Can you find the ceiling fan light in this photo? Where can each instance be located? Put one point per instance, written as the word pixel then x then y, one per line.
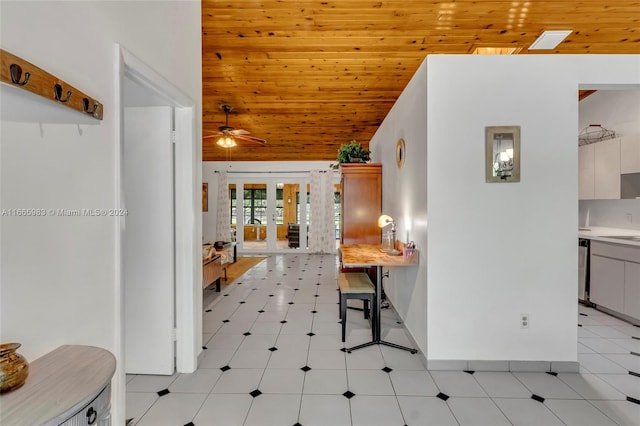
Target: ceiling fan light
pixel 226 141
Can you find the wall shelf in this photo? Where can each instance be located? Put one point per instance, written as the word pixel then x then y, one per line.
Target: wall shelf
pixel 24 76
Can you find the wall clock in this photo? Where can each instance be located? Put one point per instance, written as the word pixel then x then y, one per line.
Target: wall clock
pixel 400 153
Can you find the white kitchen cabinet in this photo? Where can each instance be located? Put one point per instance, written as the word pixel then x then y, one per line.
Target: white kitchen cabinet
pixel 607 170
pixel 615 277
pixel 586 172
pixel 630 154
pixel 607 282
pixel 632 289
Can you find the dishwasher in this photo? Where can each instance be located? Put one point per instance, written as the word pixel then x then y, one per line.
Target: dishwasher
pixel 583 270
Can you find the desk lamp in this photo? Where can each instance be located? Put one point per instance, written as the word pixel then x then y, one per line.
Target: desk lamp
pixel 383 221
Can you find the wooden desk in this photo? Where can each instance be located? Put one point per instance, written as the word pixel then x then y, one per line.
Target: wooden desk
pixel 371 255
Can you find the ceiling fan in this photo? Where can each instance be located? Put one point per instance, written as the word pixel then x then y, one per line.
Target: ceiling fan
pixel 228 136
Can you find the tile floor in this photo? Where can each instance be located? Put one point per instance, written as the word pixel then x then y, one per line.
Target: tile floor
pixel 273 358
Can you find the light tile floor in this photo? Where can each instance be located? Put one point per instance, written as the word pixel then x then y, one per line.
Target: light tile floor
pixel 273 358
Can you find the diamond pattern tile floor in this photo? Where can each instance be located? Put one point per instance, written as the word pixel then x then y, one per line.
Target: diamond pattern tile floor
pixel 274 356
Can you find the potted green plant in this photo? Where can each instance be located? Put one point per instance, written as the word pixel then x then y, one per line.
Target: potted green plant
pixel 351 152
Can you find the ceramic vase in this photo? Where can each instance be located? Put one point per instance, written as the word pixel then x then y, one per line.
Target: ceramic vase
pixel 14 368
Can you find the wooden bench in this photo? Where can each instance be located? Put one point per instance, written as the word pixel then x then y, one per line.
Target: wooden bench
pixel 211 271
pixel 355 285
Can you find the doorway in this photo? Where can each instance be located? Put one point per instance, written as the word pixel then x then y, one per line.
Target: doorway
pixel 167 317
pixel 148 240
pixel 270 215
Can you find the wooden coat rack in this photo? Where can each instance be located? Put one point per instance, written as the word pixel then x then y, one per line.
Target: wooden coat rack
pixel 19 73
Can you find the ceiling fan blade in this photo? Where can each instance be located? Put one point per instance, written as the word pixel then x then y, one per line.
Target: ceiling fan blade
pixel 215 135
pixel 238 132
pixel 250 139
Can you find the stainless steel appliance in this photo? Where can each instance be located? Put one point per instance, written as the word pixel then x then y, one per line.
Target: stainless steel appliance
pixel 583 269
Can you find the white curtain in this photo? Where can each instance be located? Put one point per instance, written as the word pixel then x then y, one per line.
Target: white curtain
pixel 322 227
pixel 223 221
pixel 329 240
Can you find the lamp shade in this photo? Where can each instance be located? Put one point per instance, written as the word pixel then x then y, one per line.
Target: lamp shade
pixel 384 220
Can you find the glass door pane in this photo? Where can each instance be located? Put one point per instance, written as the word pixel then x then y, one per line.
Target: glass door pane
pixel 254 216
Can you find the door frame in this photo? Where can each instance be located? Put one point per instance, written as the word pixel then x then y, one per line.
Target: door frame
pixel 188 220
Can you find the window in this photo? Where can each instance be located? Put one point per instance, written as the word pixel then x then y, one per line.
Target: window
pixel 336 213
pixel 336 210
pixel 232 199
pixel 255 206
pixel 298 207
pixel 279 207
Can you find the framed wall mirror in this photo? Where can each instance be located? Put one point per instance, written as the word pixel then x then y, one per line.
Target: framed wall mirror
pixel 502 148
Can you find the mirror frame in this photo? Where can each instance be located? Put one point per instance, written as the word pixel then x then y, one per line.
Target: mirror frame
pixel 401 153
pixel 492 135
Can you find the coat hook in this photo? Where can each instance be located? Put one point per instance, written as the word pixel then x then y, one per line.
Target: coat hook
pixel 57 90
pixel 85 106
pixel 16 74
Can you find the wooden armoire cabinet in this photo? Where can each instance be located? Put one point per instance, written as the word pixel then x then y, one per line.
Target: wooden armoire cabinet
pixel 360 203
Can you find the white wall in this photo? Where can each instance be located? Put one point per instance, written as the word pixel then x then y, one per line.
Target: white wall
pixel 490 251
pixel 617 110
pixel 58 283
pixel 501 249
pixel 404 197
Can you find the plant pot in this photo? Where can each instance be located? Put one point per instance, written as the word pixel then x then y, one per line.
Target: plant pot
pixel 14 368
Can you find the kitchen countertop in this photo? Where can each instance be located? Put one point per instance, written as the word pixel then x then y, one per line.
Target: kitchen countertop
pixel 600 233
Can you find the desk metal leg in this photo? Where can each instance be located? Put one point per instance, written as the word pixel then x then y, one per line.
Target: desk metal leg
pixel 376 322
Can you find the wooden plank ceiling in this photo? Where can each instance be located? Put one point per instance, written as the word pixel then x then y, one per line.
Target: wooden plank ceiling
pixel 308 76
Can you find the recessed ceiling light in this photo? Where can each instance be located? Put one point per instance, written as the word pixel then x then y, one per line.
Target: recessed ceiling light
pixel 549 40
pixel 495 50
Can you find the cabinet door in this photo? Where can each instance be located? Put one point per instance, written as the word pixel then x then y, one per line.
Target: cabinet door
pixel 607 170
pixel 586 172
pixel 630 155
pixel 607 283
pixel 361 203
pixel 632 289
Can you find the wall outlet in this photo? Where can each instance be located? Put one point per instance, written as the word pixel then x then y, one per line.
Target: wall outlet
pixel 524 320
pixel 629 218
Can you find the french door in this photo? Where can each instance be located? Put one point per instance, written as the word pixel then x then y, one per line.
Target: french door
pixel 270 215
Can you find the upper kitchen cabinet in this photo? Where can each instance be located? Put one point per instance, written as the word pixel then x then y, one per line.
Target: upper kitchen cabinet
pixel 599 170
pixel 586 172
pixel 630 167
pixel 607 170
pixel 630 155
